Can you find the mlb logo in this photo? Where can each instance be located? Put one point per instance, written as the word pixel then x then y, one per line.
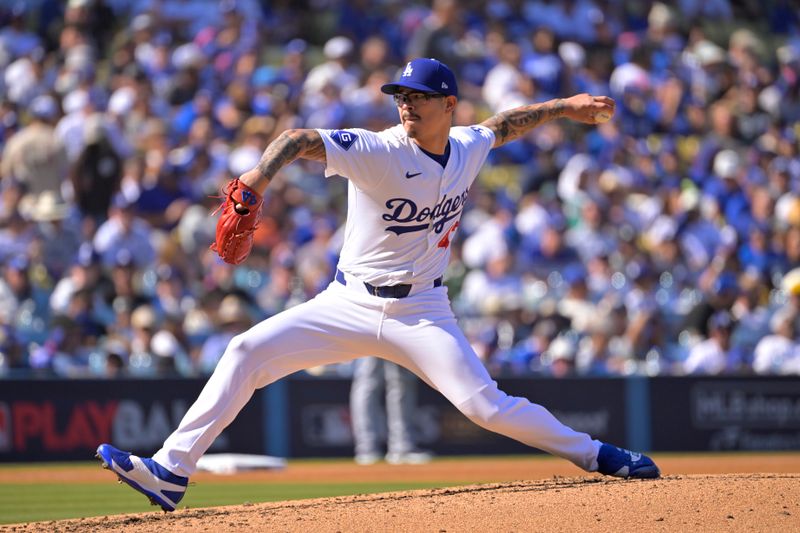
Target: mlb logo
pixel 5 428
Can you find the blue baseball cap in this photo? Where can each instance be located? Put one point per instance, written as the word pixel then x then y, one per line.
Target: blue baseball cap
pixel 427 75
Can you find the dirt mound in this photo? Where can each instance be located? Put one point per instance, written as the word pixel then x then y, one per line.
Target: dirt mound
pixel 729 502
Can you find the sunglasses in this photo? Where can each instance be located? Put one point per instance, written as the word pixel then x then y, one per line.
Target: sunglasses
pixel 414 98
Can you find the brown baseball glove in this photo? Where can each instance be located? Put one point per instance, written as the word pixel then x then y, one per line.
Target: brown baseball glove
pixel 241 213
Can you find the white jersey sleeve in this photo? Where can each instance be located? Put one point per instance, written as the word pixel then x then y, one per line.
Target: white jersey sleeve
pixel 478 141
pixel 357 154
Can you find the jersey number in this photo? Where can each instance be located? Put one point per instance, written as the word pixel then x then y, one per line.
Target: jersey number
pixel 445 242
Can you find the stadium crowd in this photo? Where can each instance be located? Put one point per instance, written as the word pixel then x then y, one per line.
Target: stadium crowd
pixel 663 242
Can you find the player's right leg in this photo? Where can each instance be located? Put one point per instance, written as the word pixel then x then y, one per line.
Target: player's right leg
pixel 161 486
pixel 328 329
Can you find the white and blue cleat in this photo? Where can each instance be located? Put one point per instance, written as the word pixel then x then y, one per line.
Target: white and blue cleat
pixel 619 462
pixel 161 486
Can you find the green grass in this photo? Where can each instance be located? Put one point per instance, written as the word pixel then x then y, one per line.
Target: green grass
pixel 33 502
pixel 54 501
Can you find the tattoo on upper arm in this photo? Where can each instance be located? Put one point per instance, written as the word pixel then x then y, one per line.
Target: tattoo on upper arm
pixel 314 147
pixel 290 145
pixel 514 123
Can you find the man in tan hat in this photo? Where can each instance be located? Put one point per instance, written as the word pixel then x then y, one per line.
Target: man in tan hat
pixel 232 318
pixel 59 238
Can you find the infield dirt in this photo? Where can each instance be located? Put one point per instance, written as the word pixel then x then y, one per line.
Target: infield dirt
pixel 696 494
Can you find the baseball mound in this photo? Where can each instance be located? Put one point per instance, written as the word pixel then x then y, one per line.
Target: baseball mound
pixel 722 502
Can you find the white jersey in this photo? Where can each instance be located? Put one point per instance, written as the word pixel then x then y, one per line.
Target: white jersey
pixel 403 207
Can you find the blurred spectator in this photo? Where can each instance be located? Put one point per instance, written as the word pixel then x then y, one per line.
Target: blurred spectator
pixel 56 230
pixel 33 156
pixel 114 363
pixel 84 273
pixel 489 239
pixel 12 354
pixel 719 292
pixel 606 351
pixel 64 352
pixel 503 81
pixel 779 352
pixel 170 355
pixel 492 287
pixel 232 318
pixel 525 356
pixel 16 38
pixel 172 296
pixel 553 254
pixel 15 289
pixel 316 259
pixel 559 358
pixel 142 360
pixel 79 106
pixel 576 303
pixel 124 237
pixel 643 330
pixel 543 65
pixel 438 35
pixel 337 71
pixel 162 199
pixel 97 171
pixel 715 355
pixel 591 236
pixel 124 275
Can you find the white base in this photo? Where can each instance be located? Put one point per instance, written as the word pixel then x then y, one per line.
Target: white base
pixel 231 463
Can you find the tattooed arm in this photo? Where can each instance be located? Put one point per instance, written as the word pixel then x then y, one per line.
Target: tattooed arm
pixel 514 123
pixel 290 145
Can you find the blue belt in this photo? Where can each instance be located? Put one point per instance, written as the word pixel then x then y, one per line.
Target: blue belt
pixel 387 291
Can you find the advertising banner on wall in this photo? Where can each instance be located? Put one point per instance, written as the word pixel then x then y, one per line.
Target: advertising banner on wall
pixel 722 414
pixel 55 420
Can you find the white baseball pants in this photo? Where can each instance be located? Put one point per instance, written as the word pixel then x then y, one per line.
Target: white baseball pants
pixel 418 332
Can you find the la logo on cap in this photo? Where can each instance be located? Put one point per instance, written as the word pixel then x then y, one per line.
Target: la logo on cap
pixel 407 72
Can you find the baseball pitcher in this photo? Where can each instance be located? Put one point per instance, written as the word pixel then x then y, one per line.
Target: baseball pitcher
pixel 407 190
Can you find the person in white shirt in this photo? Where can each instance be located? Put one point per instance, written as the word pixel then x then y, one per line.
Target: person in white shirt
pixel 779 352
pixel 712 355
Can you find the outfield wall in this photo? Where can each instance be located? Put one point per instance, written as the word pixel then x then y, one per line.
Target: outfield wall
pixel 48 420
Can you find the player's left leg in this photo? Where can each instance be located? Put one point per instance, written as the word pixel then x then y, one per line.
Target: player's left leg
pixel 454 369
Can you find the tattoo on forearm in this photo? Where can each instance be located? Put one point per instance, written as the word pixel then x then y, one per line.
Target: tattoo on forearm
pixel 514 123
pixel 289 146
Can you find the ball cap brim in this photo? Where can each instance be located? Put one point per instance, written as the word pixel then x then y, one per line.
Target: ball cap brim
pixel 426 75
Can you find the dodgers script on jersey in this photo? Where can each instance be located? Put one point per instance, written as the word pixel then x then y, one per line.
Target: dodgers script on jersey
pixel 403 206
